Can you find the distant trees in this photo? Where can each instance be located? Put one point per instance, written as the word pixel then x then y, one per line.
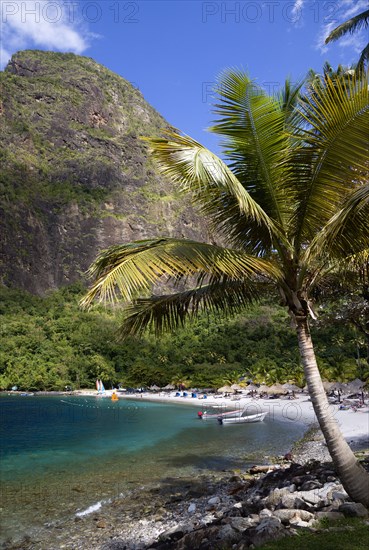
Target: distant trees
pixel 48 343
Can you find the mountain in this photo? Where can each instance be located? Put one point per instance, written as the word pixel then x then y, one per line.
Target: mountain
pixel 75 177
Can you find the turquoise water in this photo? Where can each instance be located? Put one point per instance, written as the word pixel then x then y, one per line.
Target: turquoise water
pixel 59 456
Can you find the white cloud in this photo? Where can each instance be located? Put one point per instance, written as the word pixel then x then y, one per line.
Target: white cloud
pixel 345 10
pixel 296 13
pixel 352 41
pixel 5 55
pixel 40 24
pixel 352 8
pixel 322 35
pixel 297 7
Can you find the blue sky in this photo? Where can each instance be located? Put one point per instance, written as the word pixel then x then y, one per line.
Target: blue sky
pixel 174 50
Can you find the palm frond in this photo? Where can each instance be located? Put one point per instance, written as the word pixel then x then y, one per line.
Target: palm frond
pixel 334 147
pixel 135 267
pixel 346 235
pixel 352 25
pixel 289 98
pixel 363 60
pixel 168 312
pixel 252 125
pixel 196 169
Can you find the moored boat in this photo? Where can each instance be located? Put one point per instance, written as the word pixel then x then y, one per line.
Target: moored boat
pixel 206 416
pixel 259 417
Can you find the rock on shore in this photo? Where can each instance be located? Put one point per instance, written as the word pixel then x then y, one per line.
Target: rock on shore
pixel 234 510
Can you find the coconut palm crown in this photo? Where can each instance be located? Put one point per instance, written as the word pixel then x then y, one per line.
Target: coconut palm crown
pixel 359 21
pixel 290 204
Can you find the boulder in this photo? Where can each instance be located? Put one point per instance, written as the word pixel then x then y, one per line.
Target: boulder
pixel 329 515
pixel 228 535
pixel 213 501
pixel 269 528
pixel 354 510
pixel 288 501
pixel 196 539
pixel 299 524
pixel 285 516
pixel 311 497
pixel 275 497
pixel 241 524
pixel 311 485
pixel 174 533
pixel 265 513
pixel 320 495
pixel 339 495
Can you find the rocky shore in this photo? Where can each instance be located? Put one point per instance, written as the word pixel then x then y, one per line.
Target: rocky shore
pixel 237 510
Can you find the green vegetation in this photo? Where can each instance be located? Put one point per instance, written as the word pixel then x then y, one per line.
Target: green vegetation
pixel 348 534
pixel 359 21
pixel 292 204
pixel 49 343
pixel 54 146
pixel 74 170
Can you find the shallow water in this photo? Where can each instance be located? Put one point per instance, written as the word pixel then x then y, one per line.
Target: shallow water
pixel 60 456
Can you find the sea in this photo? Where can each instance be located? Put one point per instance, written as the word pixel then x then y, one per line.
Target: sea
pixel 65 456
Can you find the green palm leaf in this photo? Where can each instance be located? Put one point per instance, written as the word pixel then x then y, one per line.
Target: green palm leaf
pixel 334 147
pixel 363 59
pixel 137 266
pixel 198 170
pixel 166 313
pixel 255 141
pixel 347 233
pixel 360 21
pixel 352 25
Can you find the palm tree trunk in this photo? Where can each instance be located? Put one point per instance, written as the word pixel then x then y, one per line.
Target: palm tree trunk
pixel 353 477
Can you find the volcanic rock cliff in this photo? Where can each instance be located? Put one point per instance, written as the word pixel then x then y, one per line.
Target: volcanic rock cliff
pixel 74 176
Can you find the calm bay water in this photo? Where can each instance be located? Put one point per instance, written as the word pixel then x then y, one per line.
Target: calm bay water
pixel 61 455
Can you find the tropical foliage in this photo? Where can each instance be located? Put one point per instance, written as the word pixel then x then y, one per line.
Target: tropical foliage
pixel 292 204
pixel 49 343
pixel 356 23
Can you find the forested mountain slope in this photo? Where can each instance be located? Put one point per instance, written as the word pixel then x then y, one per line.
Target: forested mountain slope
pixel 74 175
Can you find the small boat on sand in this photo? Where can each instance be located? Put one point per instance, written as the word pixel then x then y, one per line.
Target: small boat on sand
pixel 259 417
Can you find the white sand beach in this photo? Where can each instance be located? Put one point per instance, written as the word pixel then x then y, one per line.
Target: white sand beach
pixel 353 425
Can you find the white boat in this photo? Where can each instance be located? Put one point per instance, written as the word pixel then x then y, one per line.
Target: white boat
pixel 205 416
pixel 259 417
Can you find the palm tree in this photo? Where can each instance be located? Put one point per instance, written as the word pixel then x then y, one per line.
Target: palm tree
pixel 287 207
pixel 352 25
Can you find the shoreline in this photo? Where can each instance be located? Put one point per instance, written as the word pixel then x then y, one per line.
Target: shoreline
pixel 141 518
pixel 353 425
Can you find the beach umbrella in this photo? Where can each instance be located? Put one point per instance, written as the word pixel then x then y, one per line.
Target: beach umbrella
pixel 169 387
pixel 262 388
pixel 276 388
pixel 328 385
pixel 252 387
pixel 236 387
pixel 225 389
pixel 291 387
pixel 355 385
pixel 154 388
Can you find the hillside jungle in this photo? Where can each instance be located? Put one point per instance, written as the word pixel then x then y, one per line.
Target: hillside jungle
pixel 49 344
